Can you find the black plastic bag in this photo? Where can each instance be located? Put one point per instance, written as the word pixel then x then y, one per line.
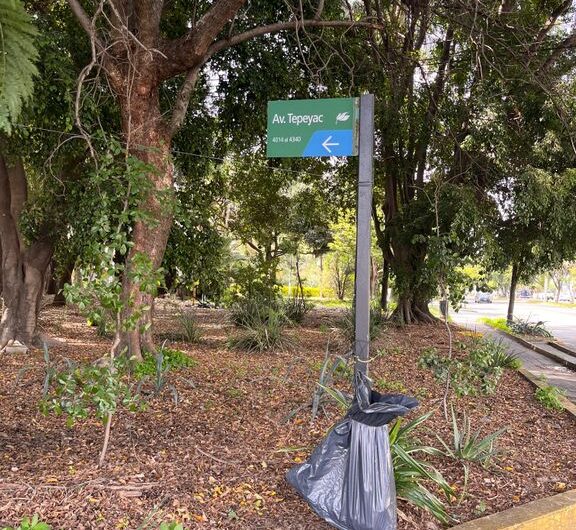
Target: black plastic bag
pixel 348 479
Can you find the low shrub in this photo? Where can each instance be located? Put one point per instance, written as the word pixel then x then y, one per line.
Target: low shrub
pixel 347 322
pixel 296 309
pixel 191 331
pixel 468 445
pixel 549 396
pixel 411 474
pixel 525 327
pixel 478 372
pixel 263 332
pixel 171 360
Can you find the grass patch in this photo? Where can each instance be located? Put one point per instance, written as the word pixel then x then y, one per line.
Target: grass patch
pixel 497 323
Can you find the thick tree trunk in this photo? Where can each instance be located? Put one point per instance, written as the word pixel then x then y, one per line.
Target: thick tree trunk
pixel 148 140
pixel 412 309
pixel 23 269
pixel 512 299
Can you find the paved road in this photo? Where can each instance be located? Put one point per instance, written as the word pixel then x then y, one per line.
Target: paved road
pixel 560 321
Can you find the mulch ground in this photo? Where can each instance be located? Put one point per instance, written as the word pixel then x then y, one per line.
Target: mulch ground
pixel 218 458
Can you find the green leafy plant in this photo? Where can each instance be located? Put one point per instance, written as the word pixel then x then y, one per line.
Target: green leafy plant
pixel 90 390
pixel 496 323
pixel 391 386
pixel 191 331
pixel 478 372
pixel 468 445
pixel 347 322
pixel 30 524
pixel 411 473
pixel 296 308
pixel 93 390
pixel 549 396
pixel 264 332
pixel 170 359
pixel 525 327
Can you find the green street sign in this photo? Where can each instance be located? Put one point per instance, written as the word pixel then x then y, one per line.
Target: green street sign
pixel 312 128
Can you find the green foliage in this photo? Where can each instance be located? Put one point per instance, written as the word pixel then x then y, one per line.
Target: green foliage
pixel 411 473
pixel 329 370
pixel 262 331
pixel 30 524
pixel 191 331
pixel 549 396
pixel 114 194
pixel 17 56
pixel 496 323
pixel 170 360
pixel 525 327
pixel 296 309
pixel 468 445
pixel 346 323
pixel 391 386
pixel 478 372
pixel 80 392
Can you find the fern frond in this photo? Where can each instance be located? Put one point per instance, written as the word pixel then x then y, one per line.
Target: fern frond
pixel 17 56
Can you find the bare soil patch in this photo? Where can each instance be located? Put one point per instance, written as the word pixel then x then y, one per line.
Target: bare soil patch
pixel 218 459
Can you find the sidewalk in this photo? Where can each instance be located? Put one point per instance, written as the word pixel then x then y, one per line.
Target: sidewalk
pixel 533 362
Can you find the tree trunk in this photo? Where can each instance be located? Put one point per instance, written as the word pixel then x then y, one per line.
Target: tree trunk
pixel 512 299
pixel 412 309
pixel 23 269
pixel 384 286
pixel 147 139
pixel 59 277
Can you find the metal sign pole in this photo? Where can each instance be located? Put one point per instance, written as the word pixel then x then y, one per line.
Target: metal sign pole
pixel 363 234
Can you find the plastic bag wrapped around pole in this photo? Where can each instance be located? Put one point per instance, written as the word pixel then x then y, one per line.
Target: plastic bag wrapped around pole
pixel 348 479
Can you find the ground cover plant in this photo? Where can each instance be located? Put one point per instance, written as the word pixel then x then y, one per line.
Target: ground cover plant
pixel 218 458
pixel 518 326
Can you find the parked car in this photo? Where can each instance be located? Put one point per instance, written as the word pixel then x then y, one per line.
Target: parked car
pixel 483 298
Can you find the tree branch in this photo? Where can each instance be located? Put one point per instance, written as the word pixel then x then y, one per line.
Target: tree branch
pixel 84 20
pixel 183 100
pixel 568 42
pixel 283 26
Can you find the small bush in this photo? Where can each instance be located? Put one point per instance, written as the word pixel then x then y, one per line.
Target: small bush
pixel 248 311
pixel 296 309
pixel 467 445
pixel 191 331
pixel 479 372
pixel 549 396
pixel 171 360
pixel 525 327
pixel 347 322
pixel 264 332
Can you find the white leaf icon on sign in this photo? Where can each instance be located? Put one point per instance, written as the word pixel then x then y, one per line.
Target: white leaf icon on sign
pixel 343 116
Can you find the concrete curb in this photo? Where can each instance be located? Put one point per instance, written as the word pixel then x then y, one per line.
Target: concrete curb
pixel 550 513
pixel 564 362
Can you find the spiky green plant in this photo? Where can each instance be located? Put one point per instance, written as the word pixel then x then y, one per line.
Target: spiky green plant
pixel 411 473
pixel 17 56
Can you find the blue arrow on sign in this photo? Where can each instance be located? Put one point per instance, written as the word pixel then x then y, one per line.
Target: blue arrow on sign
pixel 330 143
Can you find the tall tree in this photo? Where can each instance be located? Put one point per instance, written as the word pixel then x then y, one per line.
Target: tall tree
pixel 142 46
